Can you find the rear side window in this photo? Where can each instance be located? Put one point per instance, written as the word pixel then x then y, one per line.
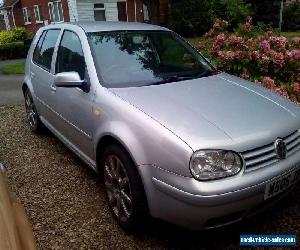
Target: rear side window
pixel 44 50
pixel 70 55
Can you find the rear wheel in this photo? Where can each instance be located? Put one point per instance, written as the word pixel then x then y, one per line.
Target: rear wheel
pixel 124 189
pixel 34 122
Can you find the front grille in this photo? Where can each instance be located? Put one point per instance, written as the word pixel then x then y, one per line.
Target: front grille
pixel 266 155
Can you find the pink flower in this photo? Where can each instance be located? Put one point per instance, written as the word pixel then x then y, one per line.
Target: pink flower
pixel 254 55
pixel 265 60
pixel 234 40
pixel 277 57
pixel 201 45
pixel 247 27
pixel 265 45
pixel 217 24
pixel 295 41
pixel 269 83
pixel 289 55
pixel 227 55
pixel 282 91
pixel 296 88
pixel 249 19
pixel 279 41
pixel 245 75
pixel 224 24
pixel 257 82
pixel 209 33
pixel 219 41
pixel 295 54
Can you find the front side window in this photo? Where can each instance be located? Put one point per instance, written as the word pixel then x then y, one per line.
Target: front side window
pixel 144 58
pixel 38 13
pixel 43 52
pixel 99 12
pixel 56 12
pixel 70 55
pixel 26 16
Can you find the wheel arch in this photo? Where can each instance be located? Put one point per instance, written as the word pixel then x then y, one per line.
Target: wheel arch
pixel 104 142
pixel 24 87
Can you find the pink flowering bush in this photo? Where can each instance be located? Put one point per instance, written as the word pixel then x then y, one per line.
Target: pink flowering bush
pixel 261 57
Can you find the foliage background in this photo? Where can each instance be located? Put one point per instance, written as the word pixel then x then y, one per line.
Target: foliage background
pixel 192 18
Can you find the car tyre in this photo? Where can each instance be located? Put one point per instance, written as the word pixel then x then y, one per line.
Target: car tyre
pixel 124 189
pixel 33 119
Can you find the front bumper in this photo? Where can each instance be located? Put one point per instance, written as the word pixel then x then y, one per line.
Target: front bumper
pixel 197 205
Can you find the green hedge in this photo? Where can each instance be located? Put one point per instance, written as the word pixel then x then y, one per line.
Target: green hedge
pixel 13 50
pixel 14 35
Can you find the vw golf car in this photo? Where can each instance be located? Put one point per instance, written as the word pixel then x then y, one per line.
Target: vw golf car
pixel 169 134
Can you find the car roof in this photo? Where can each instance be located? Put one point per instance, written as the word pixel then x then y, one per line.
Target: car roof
pixel 97 26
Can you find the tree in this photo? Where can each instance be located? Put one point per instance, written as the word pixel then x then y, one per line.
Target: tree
pixel 191 17
pixel 291 17
pixel 265 11
pixel 194 17
pixel 233 11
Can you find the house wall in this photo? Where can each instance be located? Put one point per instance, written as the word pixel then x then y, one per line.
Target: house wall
pixel 73 13
pixel 34 26
pixel 85 9
pixel 81 10
pixel 4 23
pixel 164 11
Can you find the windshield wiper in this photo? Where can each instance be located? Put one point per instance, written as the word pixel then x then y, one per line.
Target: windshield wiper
pixel 178 78
pixel 175 78
pixel 205 73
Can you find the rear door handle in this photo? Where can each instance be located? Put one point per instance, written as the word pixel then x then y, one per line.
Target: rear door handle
pixel 32 74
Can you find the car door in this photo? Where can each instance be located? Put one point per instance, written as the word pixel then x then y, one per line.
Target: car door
pixel 40 71
pixel 73 106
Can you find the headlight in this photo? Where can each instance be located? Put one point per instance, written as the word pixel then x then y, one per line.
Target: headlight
pixel 214 164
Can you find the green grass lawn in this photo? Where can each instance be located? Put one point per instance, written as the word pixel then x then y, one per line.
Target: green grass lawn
pixel 17 68
pixel 290 35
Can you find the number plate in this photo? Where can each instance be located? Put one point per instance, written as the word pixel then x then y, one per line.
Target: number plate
pixel 281 183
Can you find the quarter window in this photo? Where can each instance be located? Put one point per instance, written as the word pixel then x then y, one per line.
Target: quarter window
pixel 44 51
pixel 56 12
pixel 26 15
pixel 99 12
pixel 37 50
pixel 38 13
pixel 70 55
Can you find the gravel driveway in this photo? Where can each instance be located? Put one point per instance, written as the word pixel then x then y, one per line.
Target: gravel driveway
pixel 66 206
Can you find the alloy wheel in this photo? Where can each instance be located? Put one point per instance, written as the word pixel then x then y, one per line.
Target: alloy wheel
pixel 30 111
pixel 118 187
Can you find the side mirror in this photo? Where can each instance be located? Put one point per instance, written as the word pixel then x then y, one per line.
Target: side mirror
pixel 68 80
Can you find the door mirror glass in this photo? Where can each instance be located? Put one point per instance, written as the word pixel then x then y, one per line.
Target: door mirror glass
pixel 68 80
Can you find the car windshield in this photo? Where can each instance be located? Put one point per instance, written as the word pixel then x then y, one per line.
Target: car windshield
pixel 140 58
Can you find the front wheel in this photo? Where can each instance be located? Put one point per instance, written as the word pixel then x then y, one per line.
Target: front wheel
pixel 124 189
pixel 34 122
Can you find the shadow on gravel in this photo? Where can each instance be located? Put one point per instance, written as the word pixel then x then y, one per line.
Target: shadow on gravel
pixel 280 218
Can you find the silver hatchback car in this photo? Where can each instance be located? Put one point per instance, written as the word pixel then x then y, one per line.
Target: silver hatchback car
pixel 170 135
